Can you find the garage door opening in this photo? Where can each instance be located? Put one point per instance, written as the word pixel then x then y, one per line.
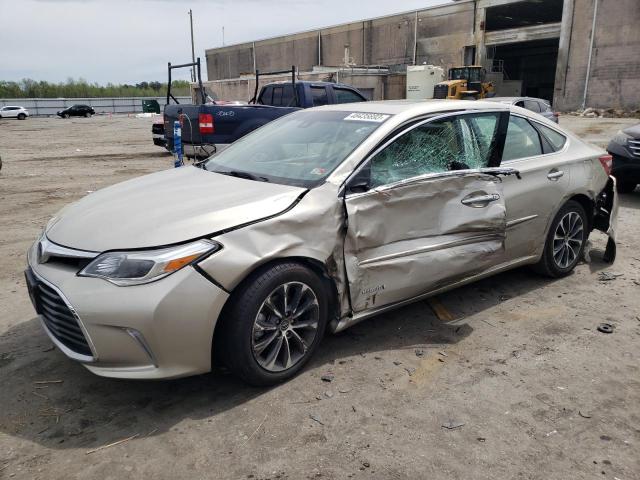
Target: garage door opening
pixel 523 14
pixel 533 62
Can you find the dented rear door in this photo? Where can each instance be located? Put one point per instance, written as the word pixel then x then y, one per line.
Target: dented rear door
pixel 409 238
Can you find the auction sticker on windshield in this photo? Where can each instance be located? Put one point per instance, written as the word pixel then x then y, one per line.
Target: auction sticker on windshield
pixel 367 117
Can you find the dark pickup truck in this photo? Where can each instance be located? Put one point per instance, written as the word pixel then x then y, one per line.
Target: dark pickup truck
pixel 209 127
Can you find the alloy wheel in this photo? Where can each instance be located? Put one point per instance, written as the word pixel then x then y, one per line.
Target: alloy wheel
pixel 285 327
pixel 568 239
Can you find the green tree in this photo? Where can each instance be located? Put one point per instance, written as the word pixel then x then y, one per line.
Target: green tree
pixel 29 88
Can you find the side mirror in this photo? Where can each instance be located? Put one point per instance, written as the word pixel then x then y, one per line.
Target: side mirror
pixel 361 182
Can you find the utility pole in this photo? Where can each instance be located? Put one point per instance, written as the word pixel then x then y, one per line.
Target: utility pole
pixel 223 35
pixel 193 52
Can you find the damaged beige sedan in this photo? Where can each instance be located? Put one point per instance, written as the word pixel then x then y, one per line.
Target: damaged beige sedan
pixel 315 221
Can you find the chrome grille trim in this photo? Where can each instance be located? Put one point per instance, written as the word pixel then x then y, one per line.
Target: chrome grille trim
pixel 48 249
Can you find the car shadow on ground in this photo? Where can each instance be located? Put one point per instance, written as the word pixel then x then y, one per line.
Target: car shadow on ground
pixel 629 200
pixel 81 410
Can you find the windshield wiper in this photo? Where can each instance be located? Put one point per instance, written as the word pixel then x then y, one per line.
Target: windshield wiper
pixel 241 174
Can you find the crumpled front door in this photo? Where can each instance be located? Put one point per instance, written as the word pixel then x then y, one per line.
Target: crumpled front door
pixel 415 236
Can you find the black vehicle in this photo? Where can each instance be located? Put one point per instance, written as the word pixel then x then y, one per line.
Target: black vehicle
pixel 625 150
pixel 77 111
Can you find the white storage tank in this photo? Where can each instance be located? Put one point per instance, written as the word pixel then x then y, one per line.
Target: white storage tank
pixel 421 79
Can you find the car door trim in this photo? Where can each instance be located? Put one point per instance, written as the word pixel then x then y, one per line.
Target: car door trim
pixel 432 248
pixel 519 221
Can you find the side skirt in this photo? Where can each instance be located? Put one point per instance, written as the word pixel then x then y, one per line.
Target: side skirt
pixel 349 321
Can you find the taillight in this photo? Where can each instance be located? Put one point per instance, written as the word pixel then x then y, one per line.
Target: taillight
pixel 206 123
pixel 607 162
pixel 557 114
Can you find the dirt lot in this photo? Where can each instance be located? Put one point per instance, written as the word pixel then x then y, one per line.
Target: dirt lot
pixel 534 390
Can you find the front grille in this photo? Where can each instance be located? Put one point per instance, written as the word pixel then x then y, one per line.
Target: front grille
pixel 157 128
pixel 440 91
pixel 634 146
pixel 58 318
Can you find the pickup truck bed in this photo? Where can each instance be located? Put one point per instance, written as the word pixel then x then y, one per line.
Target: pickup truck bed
pixel 209 127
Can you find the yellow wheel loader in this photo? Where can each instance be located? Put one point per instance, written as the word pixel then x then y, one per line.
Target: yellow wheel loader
pixel 465 83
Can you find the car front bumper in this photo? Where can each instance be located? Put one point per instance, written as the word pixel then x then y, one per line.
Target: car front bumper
pixel 159 330
pixel 626 162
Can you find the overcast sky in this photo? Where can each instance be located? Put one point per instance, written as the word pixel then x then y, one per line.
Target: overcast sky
pixel 128 41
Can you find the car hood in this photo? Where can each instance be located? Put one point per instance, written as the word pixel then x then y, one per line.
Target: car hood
pixel 633 131
pixel 167 207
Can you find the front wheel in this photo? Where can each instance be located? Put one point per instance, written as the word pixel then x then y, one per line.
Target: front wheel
pixel 87 114
pixel 65 115
pixel 274 324
pixel 565 241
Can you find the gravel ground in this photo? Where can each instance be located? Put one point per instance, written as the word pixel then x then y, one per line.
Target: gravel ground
pixel 528 386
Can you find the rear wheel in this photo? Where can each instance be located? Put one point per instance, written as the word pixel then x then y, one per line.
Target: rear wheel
pixel 625 187
pixel 21 116
pixel 565 242
pixel 274 324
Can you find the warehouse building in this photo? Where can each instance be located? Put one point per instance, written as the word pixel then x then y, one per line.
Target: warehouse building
pixel 575 53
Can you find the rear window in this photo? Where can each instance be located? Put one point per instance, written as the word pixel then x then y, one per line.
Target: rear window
pixel 544 107
pixel 266 96
pixel 555 139
pixel 319 95
pixel 347 96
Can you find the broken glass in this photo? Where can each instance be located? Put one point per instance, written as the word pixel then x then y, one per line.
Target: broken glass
pixel 456 143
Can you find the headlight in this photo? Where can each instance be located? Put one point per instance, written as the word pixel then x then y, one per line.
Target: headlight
pixel 621 138
pixel 138 267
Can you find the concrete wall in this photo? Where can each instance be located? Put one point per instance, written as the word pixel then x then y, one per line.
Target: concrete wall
pixel 374 87
pixel 442 34
pixel 615 62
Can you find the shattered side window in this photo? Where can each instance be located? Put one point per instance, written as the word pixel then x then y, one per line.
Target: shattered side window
pixel 455 143
pixel 483 128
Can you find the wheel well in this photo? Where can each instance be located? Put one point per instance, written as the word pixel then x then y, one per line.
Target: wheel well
pixel 314 265
pixel 588 206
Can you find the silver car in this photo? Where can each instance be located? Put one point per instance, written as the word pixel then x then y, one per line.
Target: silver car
pixel 316 221
pixel 537 105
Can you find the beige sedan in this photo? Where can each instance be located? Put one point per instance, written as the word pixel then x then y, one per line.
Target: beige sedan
pixel 315 221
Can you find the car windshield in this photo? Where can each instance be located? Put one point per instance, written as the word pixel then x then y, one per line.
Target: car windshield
pixel 301 148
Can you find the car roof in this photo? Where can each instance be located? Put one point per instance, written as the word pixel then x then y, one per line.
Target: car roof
pixel 516 99
pixel 413 107
pixel 310 82
pixel 12 106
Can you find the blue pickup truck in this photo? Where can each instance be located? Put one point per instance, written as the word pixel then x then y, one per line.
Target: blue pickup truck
pixel 211 127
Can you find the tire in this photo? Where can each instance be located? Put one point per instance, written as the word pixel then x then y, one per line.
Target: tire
pixel 625 187
pixel 87 114
pixel 21 116
pixel 563 251
pixel 65 115
pixel 264 345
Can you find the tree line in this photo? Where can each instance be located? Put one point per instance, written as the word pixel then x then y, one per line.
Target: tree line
pixel 29 88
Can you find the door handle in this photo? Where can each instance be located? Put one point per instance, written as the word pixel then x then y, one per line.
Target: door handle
pixel 479 201
pixel 555 174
